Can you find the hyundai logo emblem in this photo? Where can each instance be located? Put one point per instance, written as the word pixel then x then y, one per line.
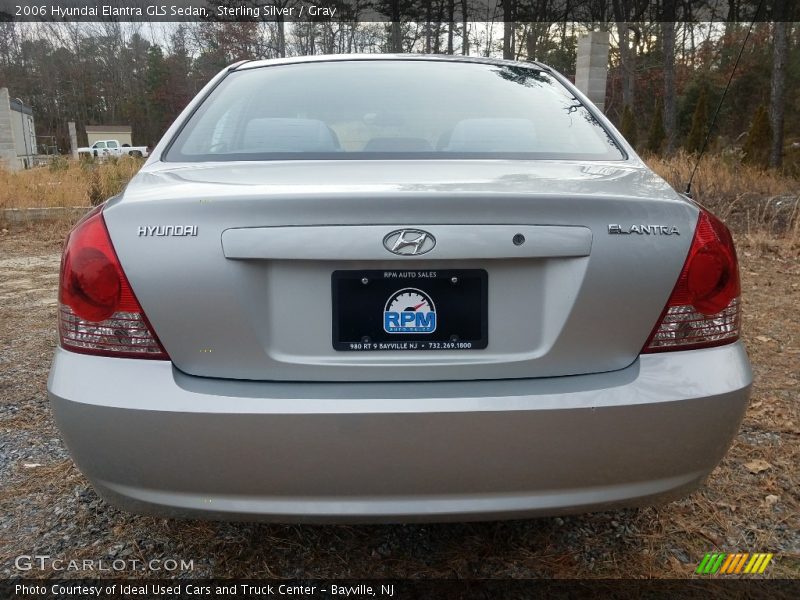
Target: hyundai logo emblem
pixel 409 242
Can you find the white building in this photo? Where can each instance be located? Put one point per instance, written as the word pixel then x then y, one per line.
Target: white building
pixel 97 133
pixel 17 133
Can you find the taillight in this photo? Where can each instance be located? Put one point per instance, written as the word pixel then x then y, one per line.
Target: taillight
pixel 98 312
pixel 704 308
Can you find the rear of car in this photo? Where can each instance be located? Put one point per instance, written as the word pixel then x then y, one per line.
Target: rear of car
pixel 396 289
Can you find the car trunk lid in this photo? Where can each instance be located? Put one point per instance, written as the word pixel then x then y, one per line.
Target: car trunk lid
pixel 243 284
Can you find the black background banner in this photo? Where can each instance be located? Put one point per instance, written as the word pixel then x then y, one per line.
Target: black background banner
pixel 495 589
pixel 588 11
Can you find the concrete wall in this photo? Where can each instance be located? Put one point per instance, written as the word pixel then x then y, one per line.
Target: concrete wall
pixel 24 136
pixel 17 133
pixel 11 216
pixel 73 139
pixel 591 70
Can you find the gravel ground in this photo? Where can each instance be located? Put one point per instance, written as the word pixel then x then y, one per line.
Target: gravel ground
pixel 750 502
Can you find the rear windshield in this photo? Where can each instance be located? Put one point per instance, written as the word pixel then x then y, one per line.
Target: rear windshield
pixel 391 109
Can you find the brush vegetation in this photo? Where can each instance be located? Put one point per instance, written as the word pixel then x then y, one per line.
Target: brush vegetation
pixel 748 198
pixel 65 182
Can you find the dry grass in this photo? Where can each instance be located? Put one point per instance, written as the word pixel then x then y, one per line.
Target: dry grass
pixel 748 199
pixel 721 177
pixel 66 182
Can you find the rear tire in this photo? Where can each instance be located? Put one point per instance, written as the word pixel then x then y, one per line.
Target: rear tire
pixel 136 154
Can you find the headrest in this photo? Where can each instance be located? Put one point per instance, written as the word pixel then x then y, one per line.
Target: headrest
pixel 288 135
pixel 492 135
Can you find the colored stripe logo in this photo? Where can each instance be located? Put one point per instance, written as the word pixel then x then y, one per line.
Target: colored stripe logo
pixel 722 563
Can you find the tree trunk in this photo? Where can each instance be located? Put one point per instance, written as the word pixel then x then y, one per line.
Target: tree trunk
pixel 465 32
pixel 670 111
pixel 508 29
pixel 733 11
pixel 531 41
pixel 451 11
pixel 395 37
pixel 780 51
pixel 732 18
pixel 626 57
pixel 429 28
pixel 396 41
pixel 281 36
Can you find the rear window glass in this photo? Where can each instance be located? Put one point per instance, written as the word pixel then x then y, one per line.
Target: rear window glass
pixel 392 109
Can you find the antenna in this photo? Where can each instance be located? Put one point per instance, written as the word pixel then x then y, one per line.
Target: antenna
pixel 721 100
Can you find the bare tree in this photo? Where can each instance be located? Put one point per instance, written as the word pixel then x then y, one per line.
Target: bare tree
pixel 396 37
pixel 451 9
pixel 668 47
pixel 627 55
pixel 465 27
pixel 281 33
pixel 780 53
pixel 509 7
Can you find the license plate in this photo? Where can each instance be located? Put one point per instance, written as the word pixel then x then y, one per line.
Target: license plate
pixel 407 310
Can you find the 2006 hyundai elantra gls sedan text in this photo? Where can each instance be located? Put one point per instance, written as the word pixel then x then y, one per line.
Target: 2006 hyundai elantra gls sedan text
pixel 396 288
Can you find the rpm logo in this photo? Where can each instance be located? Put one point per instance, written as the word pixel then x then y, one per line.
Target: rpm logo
pixel 409 311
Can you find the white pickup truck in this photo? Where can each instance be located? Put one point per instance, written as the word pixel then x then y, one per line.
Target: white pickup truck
pixel 113 148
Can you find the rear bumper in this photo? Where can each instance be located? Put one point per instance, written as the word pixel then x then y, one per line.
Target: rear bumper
pixel 154 440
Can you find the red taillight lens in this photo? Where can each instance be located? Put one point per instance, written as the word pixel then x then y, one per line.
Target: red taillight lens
pixel 704 308
pixel 91 286
pixel 98 312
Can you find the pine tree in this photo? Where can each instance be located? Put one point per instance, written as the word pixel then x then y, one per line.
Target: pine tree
pixel 699 130
pixel 757 145
pixel 657 134
pixel 156 86
pixel 628 125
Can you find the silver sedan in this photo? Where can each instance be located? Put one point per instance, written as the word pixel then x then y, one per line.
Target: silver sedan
pixel 396 288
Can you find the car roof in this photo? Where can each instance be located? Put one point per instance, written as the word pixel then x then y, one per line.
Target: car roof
pixel 254 64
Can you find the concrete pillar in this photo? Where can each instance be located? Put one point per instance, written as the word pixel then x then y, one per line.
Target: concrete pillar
pixel 592 66
pixel 8 149
pixel 73 139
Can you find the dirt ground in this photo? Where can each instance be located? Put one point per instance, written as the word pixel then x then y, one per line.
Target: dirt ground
pixel 751 502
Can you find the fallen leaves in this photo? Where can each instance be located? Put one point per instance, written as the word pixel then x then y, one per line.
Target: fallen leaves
pixel 727 505
pixel 757 465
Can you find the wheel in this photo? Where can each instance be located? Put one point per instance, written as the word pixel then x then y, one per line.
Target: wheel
pixel 136 154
